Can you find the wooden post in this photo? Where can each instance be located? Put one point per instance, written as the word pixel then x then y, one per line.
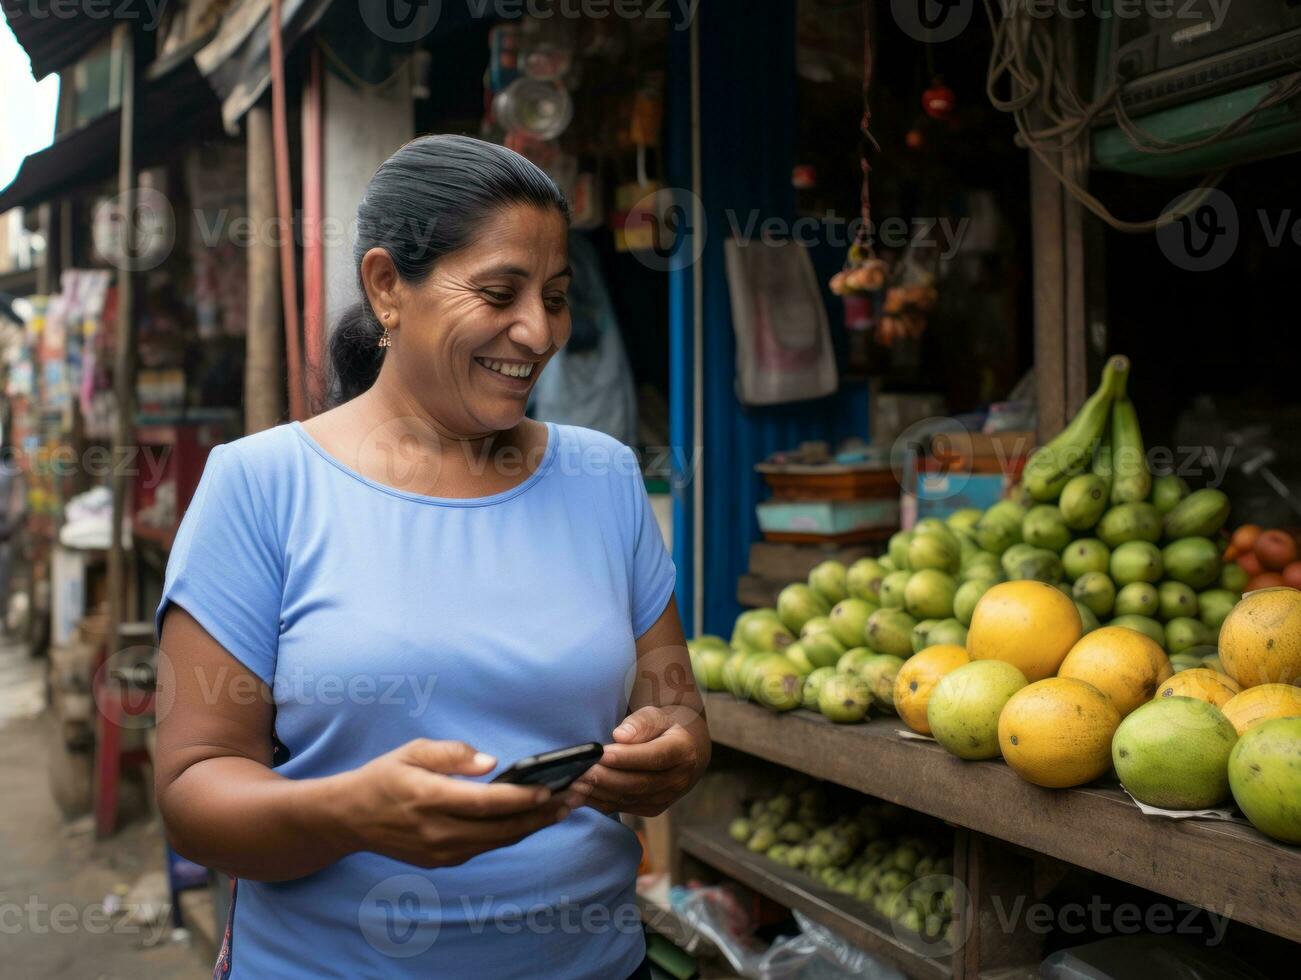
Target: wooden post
pixel 313 230
pixel 124 364
pixel 263 402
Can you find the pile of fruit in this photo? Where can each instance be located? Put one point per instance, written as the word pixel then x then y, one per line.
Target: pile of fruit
pixel 868 856
pixel 1043 629
pixel 1266 557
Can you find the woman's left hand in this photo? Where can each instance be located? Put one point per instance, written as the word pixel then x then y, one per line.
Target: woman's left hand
pixel 651 764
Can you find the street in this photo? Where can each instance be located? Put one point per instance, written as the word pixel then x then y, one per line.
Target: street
pixel 54 877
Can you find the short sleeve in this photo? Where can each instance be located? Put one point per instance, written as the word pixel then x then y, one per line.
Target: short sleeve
pixel 653 574
pixel 226 566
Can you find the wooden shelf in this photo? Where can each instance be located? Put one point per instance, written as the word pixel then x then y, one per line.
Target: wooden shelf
pixel 1228 868
pixel 857 922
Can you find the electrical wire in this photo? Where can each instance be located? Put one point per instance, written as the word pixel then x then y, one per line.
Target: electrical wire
pixel 1053 121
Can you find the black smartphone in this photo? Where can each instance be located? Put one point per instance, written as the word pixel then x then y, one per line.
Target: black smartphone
pixel 556 769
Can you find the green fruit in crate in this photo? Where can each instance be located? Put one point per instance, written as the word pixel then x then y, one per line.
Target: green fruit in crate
pixel 897 548
pixel 778 852
pixel 890 631
pixel 1130 522
pixel 982 567
pixel 1184 661
pixel 1234 577
pixel 929 594
pixel 1084 500
pixel 813 686
pixel 708 642
pixel 948 632
pixel 964 519
pixel 732 672
pixel 1045 527
pixel 887 563
pixel 934 549
pixel 844 698
pixel 964 707
pixel 740 830
pixel 1175 600
pixel 707 666
pixel 1088 618
pixel 797 655
pixel 965 599
pixel 892 590
pixel 1071 452
pixel 1265 777
pixel 1143 624
pixel 797 604
pixel 823 649
pixel 1193 561
pixel 762 839
pixel 830 581
pixel 1167 491
pixel 750 670
pixel 1040 565
pixel 1095 591
pixel 998 531
pixel 863 579
pixel 849 620
pixel 1136 561
pixel 778 684
pixel 1214 605
pixel 1174 753
pixel 764 634
pixel 920 633
pixel 1085 555
pixel 744 621
pixel 1137 599
pixel 879 672
pixel 852 659
pixel 1186 634
pixel 1199 515
pixel 816 625
pixel 1011 559
pixel 792 832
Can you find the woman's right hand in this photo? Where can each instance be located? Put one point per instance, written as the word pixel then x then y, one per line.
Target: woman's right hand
pixel 407 805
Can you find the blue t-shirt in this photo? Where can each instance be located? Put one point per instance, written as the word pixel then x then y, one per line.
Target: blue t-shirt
pixel 378 616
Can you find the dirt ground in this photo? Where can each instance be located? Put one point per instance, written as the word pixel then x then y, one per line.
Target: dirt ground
pixel 54 877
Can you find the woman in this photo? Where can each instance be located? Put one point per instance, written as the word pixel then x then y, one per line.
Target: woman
pixel 368 614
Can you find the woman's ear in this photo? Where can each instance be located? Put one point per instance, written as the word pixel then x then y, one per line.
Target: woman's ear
pixel 379 277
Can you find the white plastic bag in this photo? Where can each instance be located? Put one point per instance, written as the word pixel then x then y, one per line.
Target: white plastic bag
pixel 783 340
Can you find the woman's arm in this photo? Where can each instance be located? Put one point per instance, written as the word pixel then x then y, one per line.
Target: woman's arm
pixel 662 748
pixel 225 808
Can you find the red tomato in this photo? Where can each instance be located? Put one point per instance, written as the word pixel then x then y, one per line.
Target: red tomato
pixel 1275 550
pixel 1265 580
pixel 1244 538
pixel 1250 564
pixel 1292 575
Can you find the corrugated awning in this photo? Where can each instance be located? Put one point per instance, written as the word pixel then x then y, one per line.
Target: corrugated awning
pixel 177 105
pixel 56 33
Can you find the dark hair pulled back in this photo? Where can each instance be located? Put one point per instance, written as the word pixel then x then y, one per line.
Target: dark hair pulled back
pixel 425 201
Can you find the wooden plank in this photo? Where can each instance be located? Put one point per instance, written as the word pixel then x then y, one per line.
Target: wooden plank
pixel 1228 868
pixel 753 591
pixel 1075 298
pixel 854 920
pixel 792 562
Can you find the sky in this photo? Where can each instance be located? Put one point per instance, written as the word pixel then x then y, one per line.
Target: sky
pixel 26 108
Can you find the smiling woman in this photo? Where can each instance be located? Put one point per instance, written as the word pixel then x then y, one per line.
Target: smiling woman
pixel 481 587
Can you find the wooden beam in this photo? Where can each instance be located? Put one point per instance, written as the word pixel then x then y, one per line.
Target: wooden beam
pixel 1048 223
pixel 263 375
pixel 124 360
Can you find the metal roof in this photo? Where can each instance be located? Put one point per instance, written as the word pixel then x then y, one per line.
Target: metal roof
pixel 56 33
